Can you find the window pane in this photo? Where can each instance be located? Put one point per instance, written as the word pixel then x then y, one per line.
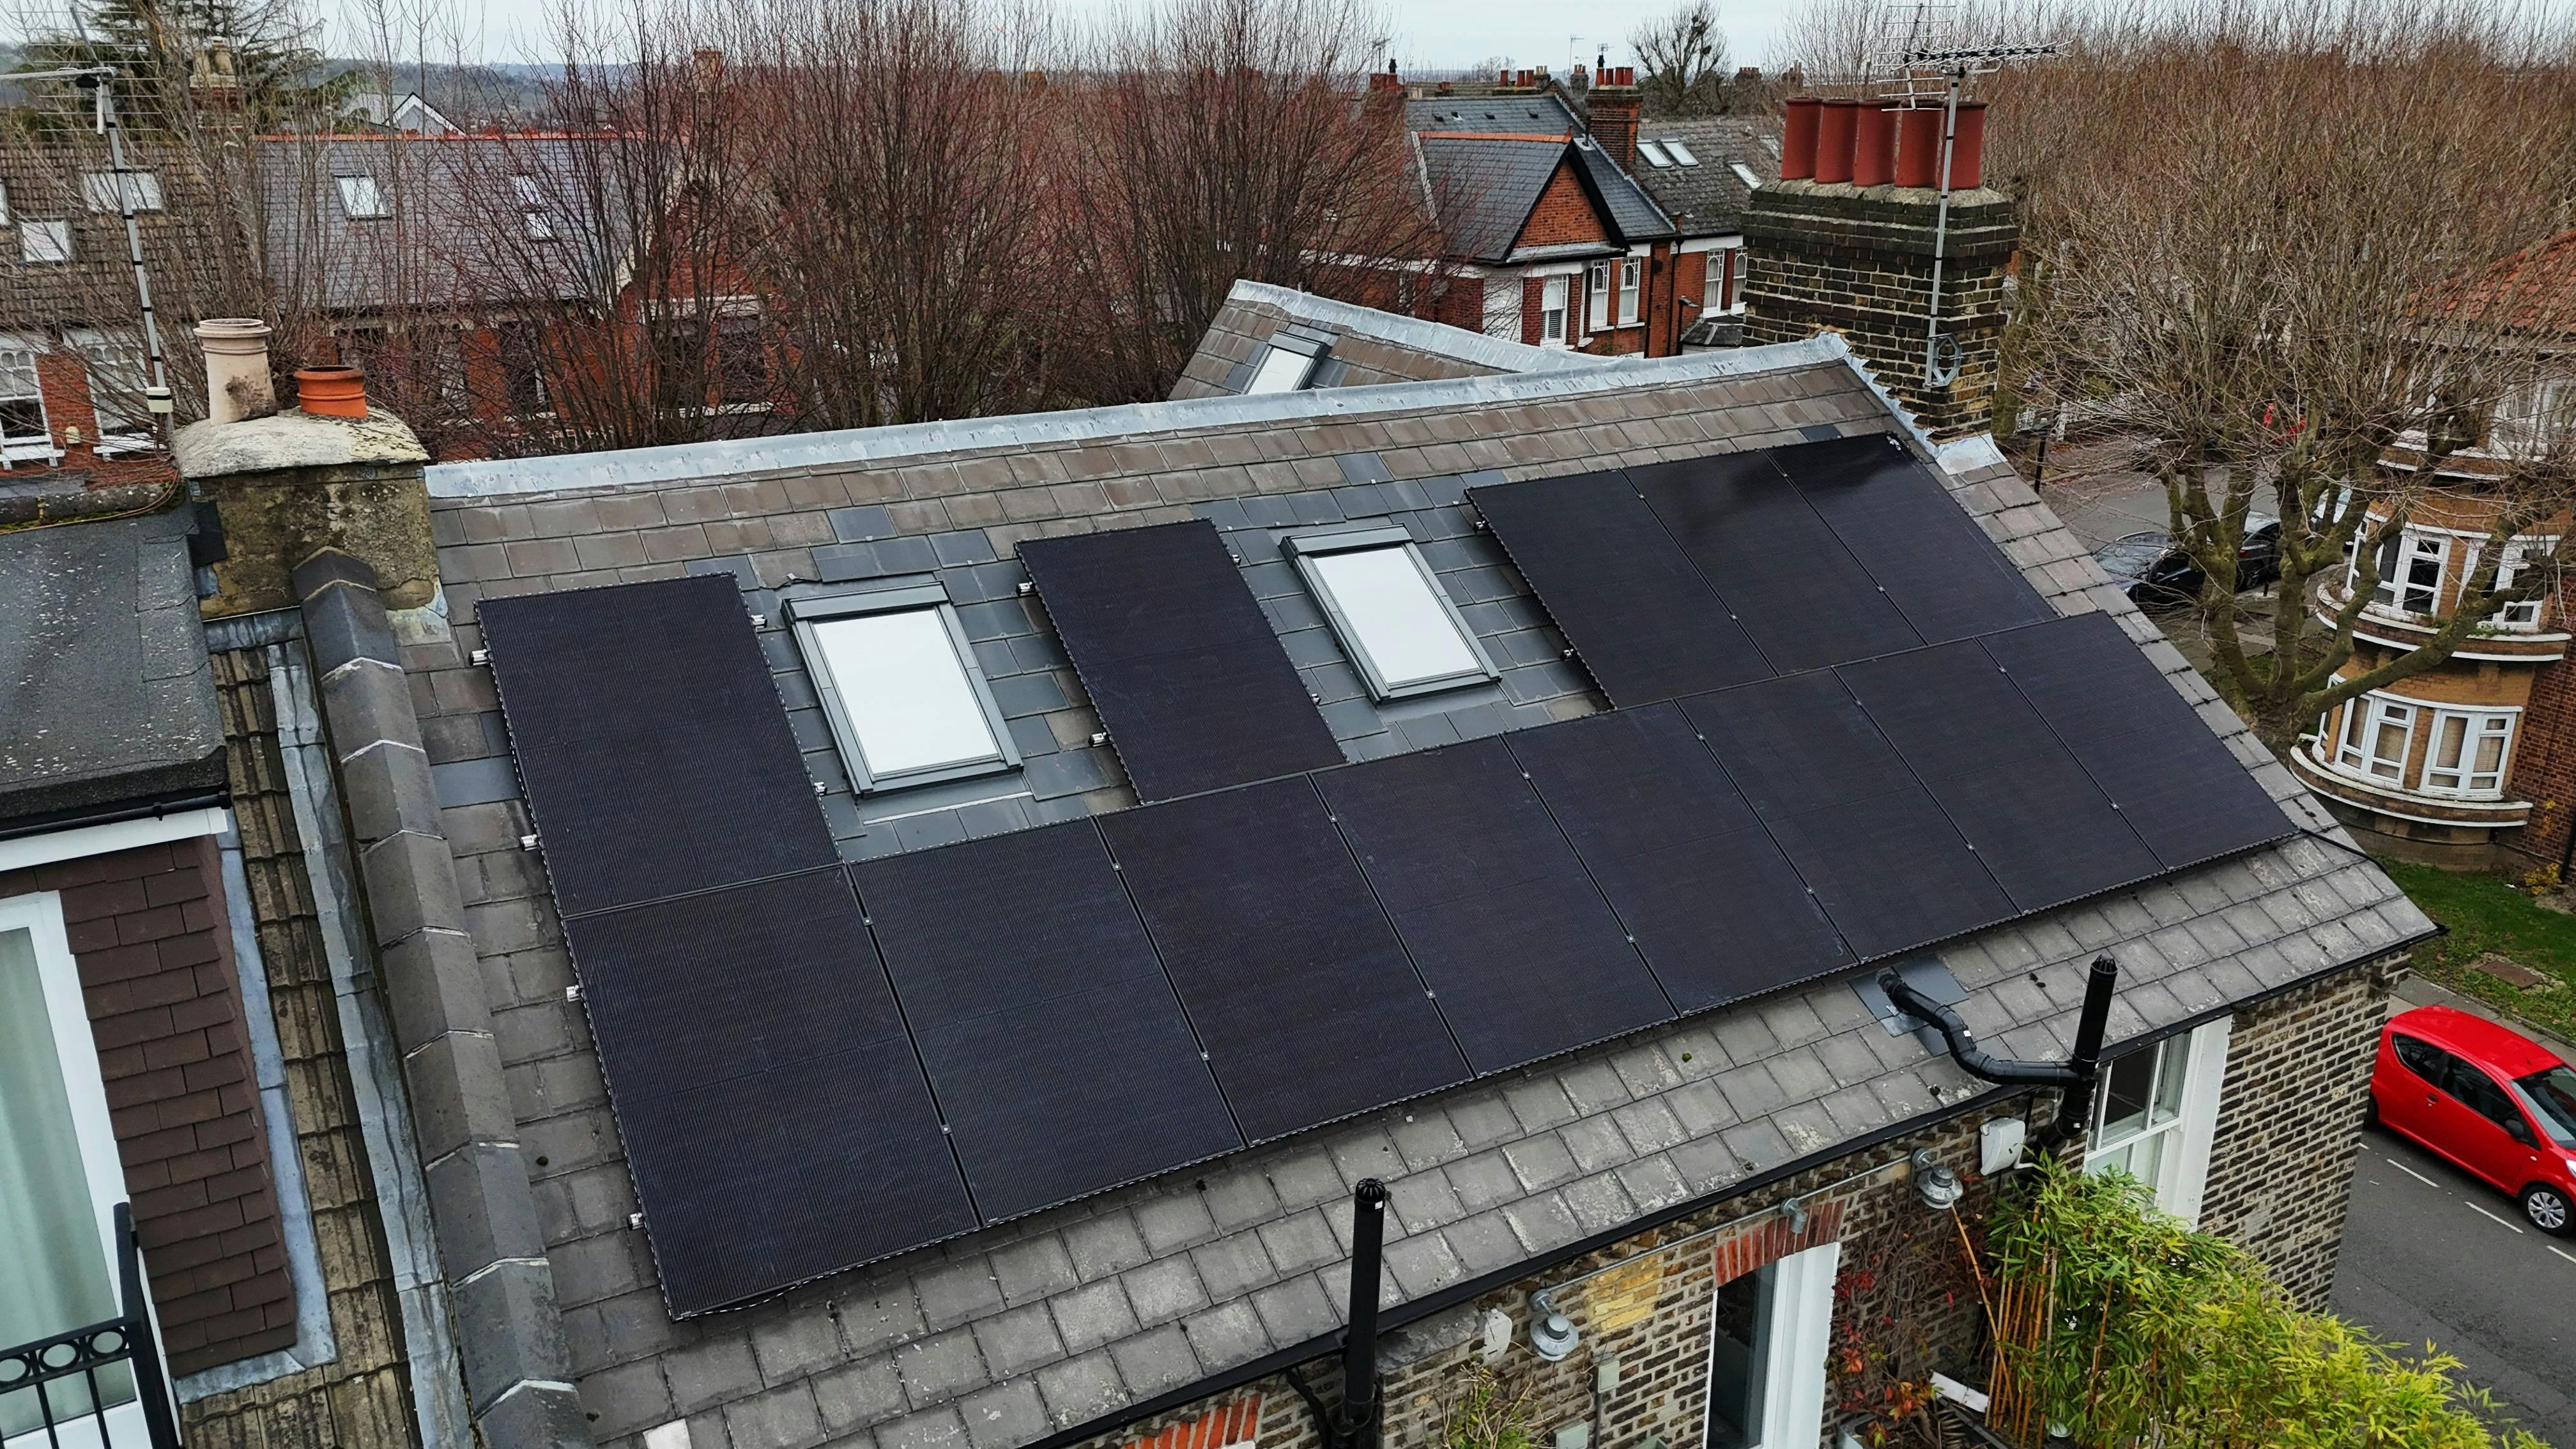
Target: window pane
pixel 53 1277
pixel 2173 1058
pixel 1681 152
pixel 903 692
pixel 45 241
pixel 1404 628
pixel 1281 371
pixel 2126 1088
pixel 1739 1360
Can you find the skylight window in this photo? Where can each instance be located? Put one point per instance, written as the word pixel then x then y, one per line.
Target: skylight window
pixel 1654 153
pixel 900 688
pixel 1745 174
pixel 530 194
pixel 142 190
pixel 362 199
pixel 539 229
pixel 1394 619
pixel 1681 152
pixel 45 241
pixel 1281 370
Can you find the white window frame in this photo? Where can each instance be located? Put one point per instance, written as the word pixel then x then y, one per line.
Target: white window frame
pixel 24 447
pixel 1632 286
pixel 1282 369
pixel 2182 1161
pixel 1653 151
pixel 1596 295
pixel 100 190
pixel 1552 310
pixel 1502 305
pixel 2396 591
pixel 44 243
pixel 40 914
pixel 815 609
pixel 1735 256
pixel 4 203
pixel 2361 720
pixel 374 192
pixel 1305 548
pixel 2463 780
pixel 95 347
pixel 1713 294
pixel 2523 615
pixel 1799 1326
pixel 1680 151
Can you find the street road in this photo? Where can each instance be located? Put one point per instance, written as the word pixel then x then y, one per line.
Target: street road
pixel 2433 1254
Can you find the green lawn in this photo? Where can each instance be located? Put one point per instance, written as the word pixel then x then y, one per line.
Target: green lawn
pixel 2486 914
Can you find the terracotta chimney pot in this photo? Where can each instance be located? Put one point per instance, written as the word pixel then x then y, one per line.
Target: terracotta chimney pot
pixel 1968 147
pixel 1798 139
pixel 237 381
pixel 331 392
pixel 1836 126
pixel 1918 145
pixel 1874 145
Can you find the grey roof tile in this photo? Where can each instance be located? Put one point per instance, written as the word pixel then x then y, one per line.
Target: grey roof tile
pixel 1156 1360
pixel 940 1367
pixel 1164 1289
pixel 1007 1415
pixel 1018 1340
pixel 1092 1315
pixel 1082 1389
pixel 1296 1310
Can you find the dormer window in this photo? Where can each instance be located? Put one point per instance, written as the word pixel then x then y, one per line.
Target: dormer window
pixel 362 199
pixel 1395 621
pixel 905 700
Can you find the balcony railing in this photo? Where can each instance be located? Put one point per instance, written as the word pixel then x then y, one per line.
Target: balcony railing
pixel 71 1377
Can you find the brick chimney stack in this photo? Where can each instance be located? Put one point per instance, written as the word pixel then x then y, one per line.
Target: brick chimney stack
pixel 1613 104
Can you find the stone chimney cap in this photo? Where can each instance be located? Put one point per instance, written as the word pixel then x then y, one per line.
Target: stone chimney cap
pixel 293 440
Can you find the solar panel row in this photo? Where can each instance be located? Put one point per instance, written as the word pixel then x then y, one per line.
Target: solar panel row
pixel 993 1027
pixel 1677 578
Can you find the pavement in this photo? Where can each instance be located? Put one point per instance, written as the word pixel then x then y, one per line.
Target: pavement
pixel 2433 1255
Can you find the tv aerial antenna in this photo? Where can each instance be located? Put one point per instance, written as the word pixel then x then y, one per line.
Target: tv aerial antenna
pixel 1918 62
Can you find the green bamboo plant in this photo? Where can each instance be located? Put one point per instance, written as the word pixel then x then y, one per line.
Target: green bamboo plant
pixel 2127 1327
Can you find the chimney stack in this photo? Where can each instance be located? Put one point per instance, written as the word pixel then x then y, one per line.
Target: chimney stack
pixel 237 380
pixel 1613 107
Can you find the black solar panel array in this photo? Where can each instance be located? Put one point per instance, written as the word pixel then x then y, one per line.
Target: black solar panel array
pixel 1191 683
pixel 1030 1018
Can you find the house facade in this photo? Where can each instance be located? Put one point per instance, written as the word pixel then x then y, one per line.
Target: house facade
pixel 2471 763
pixel 1369 699
pixel 1702 171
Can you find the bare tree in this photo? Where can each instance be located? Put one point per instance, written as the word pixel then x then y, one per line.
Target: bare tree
pixel 1223 139
pixel 1682 60
pixel 2282 246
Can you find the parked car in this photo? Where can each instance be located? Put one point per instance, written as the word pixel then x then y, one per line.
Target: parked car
pixel 2487 1097
pixel 2157 575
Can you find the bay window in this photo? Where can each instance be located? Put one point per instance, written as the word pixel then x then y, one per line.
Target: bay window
pixel 2410 573
pixel 2522 613
pixel 2468 752
pixel 2377 735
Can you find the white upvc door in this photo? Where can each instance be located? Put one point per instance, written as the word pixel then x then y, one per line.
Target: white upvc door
pixel 60 1179
pixel 1768 1364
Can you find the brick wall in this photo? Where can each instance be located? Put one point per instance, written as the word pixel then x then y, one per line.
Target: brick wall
pixel 1863 267
pixel 1563 214
pixel 2289 1125
pixel 154 948
pixel 2544 766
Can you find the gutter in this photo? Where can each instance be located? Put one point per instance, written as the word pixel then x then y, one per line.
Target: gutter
pixel 153 809
pixel 1431 1305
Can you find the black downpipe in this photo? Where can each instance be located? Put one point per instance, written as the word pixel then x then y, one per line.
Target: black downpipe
pixel 1354 1425
pixel 2076 1075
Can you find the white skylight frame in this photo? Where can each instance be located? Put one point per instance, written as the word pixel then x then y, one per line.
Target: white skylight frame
pixel 929 617
pixel 99 189
pixel 1282 369
pixel 1681 152
pixel 43 242
pixel 1653 151
pixel 1315 555
pixel 1745 174
pixel 361 198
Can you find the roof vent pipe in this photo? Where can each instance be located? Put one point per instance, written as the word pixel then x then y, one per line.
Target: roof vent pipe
pixel 1835 125
pixel 1798 139
pixel 1354 1424
pixel 2075 1076
pixel 237 381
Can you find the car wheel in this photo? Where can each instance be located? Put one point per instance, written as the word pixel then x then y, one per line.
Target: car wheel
pixel 2370 1110
pixel 2548 1209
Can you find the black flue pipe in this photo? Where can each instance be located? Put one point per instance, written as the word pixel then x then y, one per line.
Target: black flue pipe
pixel 1355 1424
pixel 2075 1075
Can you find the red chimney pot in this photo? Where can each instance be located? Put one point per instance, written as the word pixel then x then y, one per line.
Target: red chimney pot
pixel 1968 147
pixel 1798 139
pixel 1918 145
pixel 1835 131
pixel 331 392
pixel 1874 145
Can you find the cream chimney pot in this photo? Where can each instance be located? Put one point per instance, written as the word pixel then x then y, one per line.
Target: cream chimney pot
pixel 237 378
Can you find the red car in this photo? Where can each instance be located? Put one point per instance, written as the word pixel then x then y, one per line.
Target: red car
pixel 2488 1098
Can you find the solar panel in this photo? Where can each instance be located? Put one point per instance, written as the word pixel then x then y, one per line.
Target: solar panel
pixel 1525 956
pixel 648 733
pixel 1058 1052
pixel 1716 908
pixel 1934 561
pixel 2038 821
pixel 1189 680
pixel 755 1057
pixel 1884 860
pixel 1638 614
pixel 1795 588
pixel 1278 950
pixel 2177 784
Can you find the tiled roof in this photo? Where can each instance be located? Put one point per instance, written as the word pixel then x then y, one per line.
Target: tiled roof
pixel 44 182
pixel 1708 199
pixel 1368 345
pixel 1484 183
pixel 1079 1314
pixel 106 695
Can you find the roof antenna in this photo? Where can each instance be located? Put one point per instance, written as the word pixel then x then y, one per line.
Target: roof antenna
pixel 1354 1425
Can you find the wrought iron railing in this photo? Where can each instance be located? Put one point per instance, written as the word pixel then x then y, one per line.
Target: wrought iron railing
pixel 56 1371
